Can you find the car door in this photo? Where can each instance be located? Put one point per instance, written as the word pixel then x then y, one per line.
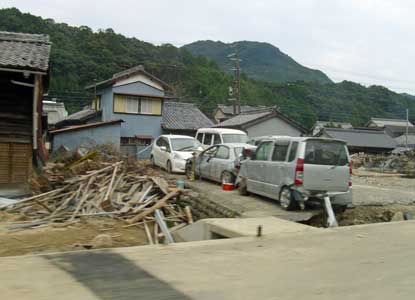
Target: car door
pixel 219 163
pixel 256 168
pixel 165 154
pixel 204 161
pixel 276 169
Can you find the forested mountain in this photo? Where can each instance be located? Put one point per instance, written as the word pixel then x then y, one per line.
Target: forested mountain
pixel 80 55
pixel 260 61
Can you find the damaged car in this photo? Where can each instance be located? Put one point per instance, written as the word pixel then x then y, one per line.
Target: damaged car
pixel 220 163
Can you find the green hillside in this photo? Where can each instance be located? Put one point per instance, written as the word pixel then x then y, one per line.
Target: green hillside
pixel 80 55
pixel 260 61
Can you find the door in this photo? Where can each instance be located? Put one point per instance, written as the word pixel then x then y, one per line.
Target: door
pixel 204 165
pixel 256 168
pixel 219 163
pixel 276 169
pixel 15 163
pixel 326 166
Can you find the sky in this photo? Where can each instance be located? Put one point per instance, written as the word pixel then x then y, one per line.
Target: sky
pixel 366 41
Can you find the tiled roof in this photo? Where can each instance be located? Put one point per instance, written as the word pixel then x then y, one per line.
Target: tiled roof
pixel 362 138
pixel 380 122
pixel 84 114
pixel 183 116
pixel 228 109
pixel 24 51
pixel 254 116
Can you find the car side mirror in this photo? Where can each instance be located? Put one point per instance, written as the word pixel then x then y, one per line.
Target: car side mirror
pixel 163 148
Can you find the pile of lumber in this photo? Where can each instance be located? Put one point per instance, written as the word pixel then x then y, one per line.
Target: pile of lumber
pixel 113 190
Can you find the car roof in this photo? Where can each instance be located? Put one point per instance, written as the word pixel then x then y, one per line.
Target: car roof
pixel 299 138
pixel 220 130
pixel 236 145
pixel 176 136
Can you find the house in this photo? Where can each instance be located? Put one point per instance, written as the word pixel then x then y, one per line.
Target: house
pixel 87 135
pixel 55 111
pixel 136 97
pixel 381 123
pixel 362 140
pixel 24 66
pixel 183 118
pixel 262 122
pixel 323 124
pixel 225 112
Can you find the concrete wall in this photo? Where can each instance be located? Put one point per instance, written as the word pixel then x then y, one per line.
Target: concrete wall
pixel 88 137
pixel 273 126
pixel 133 124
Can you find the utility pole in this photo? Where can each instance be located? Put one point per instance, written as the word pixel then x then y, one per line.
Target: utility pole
pixel 407 128
pixel 235 90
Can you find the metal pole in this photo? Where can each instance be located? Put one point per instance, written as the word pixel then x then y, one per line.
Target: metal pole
pixel 407 128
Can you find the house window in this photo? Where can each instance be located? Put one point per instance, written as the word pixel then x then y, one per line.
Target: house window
pixel 96 103
pixel 137 105
pixel 137 140
pixel 132 104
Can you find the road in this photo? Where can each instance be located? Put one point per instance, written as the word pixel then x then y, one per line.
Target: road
pixel 356 262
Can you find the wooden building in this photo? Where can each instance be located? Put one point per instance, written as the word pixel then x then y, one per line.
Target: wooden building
pixel 24 64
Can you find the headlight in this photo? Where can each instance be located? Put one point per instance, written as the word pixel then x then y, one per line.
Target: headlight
pixel 177 156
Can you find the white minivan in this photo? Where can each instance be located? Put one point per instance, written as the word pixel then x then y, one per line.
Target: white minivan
pixel 215 136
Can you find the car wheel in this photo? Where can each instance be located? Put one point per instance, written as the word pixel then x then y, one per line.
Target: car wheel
pixel 242 187
pixel 168 167
pixel 287 200
pixel 227 177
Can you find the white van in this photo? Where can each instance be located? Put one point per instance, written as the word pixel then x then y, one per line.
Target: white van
pixel 215 136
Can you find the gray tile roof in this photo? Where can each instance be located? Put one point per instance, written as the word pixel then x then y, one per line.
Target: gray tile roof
pixel 362 138
pixel 253 116
pixel 244 118
pixel 228 109
pixel 183 116
pixel 24 51
pixel 83 115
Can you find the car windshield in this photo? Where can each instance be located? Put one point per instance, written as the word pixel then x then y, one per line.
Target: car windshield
pixel 325 153
pixel 234 138
pixel 185 144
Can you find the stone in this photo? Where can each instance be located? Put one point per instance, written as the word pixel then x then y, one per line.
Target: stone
pixel 408 215
pixel 102 241
pixel 398 216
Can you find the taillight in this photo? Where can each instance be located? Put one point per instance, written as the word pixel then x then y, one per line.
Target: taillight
pixel 299 172
pixel 350 172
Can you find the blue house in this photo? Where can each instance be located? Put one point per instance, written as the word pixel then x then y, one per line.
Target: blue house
pixel 136 97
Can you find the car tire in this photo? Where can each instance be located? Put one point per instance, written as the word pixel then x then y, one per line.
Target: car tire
pixel 168 167
pixel 227 177
pixel 242 187
pixel 287 200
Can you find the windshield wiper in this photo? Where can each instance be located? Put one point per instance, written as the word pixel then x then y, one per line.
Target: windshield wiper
pixel 184 148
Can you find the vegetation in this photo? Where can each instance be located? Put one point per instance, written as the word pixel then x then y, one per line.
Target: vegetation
pixel 260 61
pixel 80 56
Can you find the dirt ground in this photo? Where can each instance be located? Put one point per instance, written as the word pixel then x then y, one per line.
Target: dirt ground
pixel 77 236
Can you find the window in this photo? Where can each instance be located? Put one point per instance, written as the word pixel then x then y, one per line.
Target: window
pixel 222 153
pixel 137 105
pixel 146 106
pixel 216 139
pixel 132 104
pixel 96 103
pixel 280 151
pixel 319 152
pixel 208 139
pixel 235 138
pixel 137 141
pixel 159 142
pixel 210 151
pixel 293 151
pixel 263 151
pixel 200 137
pixel 238 151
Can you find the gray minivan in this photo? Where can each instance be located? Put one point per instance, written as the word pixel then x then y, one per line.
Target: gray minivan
pixel 294 170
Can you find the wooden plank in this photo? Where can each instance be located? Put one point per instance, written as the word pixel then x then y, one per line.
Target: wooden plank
pixel 162 184
pixel 147 230
pixel 158 204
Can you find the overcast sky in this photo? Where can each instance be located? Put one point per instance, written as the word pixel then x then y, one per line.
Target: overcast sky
pixel 367 41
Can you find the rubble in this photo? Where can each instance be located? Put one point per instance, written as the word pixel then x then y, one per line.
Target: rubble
pixel 131 192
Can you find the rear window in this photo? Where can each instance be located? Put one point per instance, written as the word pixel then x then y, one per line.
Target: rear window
pixel 325 153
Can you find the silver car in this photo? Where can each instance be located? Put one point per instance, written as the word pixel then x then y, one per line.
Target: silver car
pixel 296 169
pixel 219 163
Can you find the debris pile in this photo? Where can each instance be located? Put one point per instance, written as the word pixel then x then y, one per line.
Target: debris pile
pixel 401 163
pixel 118 190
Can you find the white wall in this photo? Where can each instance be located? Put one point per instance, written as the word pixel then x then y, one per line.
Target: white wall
pixel 273 126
